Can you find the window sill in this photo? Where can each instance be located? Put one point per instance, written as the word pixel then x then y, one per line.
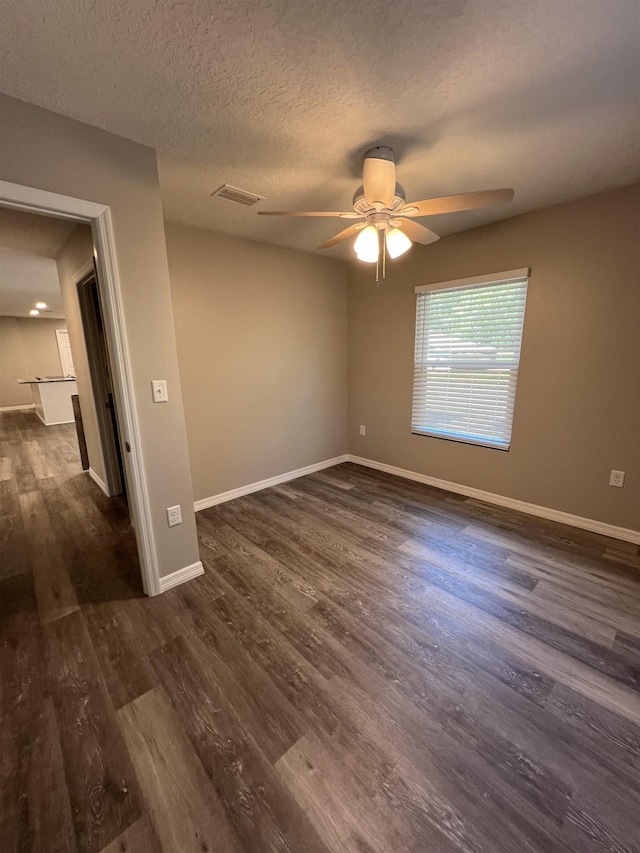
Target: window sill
pixel 461 438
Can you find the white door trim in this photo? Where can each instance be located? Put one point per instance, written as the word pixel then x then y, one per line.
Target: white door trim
pixel 84 270
pixel 98 216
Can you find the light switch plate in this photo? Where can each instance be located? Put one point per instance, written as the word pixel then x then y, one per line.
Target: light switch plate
pixel 159 390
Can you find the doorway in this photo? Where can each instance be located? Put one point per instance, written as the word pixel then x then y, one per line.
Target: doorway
pixel 98 216
pixel 58 413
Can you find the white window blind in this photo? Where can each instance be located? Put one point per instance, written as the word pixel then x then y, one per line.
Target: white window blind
pixel 467 353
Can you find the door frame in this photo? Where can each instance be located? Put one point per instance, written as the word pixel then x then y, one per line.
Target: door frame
pixel 98 216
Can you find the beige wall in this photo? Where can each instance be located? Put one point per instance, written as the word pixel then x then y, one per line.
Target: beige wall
pixel 262 346
pixel 577 412
pixel 75 254
pixel 12 364
pixel 42 149
pixel 28 347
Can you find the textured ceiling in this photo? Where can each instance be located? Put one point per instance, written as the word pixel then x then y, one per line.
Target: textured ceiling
pixel 281 97
pixel 29 245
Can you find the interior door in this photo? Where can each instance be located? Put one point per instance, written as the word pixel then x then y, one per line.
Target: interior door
pixel 98 358
pixel 64 348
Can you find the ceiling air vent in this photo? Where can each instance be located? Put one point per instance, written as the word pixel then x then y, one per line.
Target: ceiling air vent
pixel 237 195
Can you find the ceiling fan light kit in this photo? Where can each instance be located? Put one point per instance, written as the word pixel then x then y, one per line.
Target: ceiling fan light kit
pixel 388 225
pixel 366 245
pixel 397 243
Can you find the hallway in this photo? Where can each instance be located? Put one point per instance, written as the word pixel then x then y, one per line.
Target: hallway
pixel 57 522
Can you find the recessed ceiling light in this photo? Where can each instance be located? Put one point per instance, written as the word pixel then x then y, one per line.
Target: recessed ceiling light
pixel 34 312
pixel 41 305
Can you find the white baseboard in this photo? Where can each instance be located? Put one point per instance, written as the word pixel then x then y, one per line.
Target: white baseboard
pixel 510 503
pixel 489 497
pixel 98 480
pixel 181 576
pixel 52 423
pixel 265 484
pixel 16 408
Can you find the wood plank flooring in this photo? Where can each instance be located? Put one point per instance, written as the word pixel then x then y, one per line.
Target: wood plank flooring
pixel 368 665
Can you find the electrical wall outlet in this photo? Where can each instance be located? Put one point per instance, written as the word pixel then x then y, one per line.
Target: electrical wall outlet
pixel 617 479
pixel 159 390
pixel 174 515
pixel 363 430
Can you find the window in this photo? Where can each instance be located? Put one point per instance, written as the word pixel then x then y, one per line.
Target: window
pixel 467 352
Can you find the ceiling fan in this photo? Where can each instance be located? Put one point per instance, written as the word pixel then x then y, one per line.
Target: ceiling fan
pixel 388 224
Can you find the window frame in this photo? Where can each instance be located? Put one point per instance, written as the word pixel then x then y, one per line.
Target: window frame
pixel 497 278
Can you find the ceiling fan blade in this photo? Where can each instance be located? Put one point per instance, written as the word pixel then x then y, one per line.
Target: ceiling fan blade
pixel 351 231
pixel 379 180
pixel 451 203
pixel 418 233
pixel 344 214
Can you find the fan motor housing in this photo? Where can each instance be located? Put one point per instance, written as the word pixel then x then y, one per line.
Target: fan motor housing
pixel 380 152
pixel 361 205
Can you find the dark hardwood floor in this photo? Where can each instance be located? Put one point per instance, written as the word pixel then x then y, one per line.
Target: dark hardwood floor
pixel 368 665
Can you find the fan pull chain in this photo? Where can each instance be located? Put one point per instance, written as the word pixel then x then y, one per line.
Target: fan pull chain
pixel 384 253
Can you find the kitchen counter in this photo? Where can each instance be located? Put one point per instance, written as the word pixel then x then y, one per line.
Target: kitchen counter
pixel 34 380
pixel 52 397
